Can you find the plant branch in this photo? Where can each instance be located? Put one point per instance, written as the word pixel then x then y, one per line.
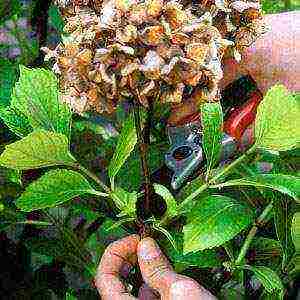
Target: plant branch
pixel 259 222
pixel 232 165
pixel 143 147
pixel 213 180
pixel 143 155
pixel 91 175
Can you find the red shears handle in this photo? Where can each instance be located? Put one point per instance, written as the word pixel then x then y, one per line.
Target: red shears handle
pixel 243 116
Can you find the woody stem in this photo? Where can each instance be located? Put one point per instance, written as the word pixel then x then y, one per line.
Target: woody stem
pixel 143 156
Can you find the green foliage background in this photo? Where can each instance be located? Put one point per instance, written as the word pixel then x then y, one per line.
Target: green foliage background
pixel 277 248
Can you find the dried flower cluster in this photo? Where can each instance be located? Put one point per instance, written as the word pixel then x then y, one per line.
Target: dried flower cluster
pixel 148 49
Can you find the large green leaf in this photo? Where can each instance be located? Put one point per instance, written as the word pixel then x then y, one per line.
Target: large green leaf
pixel 278 120
pixel 125 201
pixel 214 220
pixel 296 232
pixel 126 143
pixel 52 189
pixel 286 184
pixel 268 278
pixel 15 121
pixel 38 149
pixel 212 121
pixel 168 197
pixel 36 96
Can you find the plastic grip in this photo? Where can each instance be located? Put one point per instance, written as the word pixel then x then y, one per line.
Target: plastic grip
pixel 241 118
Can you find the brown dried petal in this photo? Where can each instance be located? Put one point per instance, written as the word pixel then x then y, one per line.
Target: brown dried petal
pixel 175 15
pixel 179 70
pixel 180 38
pixel 108 14
pixel 77 103
pixel 138 14
pixel 153 35
pixel 105 77
pixel 154 7
pixel 129 68
pixel 125 5
pixel 192 79
pixel 92 96
pixel 168 51
pixel 85 57
pixel 245 37
pixel 222 5
pixel 172 95
pixel 240 6
pixel 72 24
pixel 197 52
pixel 120 48
pixel 152 65
pixel 95 76
pixel 148 88
pixel 127 35
pixel 205 34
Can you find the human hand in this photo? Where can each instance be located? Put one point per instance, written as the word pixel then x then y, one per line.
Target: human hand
pixel 273 58
pixel 156 270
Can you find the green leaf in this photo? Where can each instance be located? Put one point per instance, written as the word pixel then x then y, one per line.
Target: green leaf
pixel 125 201
pixel 212 121
pixel 232 290
pixel 168 197
pixel 131 170
pixel 38 149
pixel 36 96
pixel 15 121
pixel 268 278
pixel 189 189
pixel 8 76
pixel 52 189
pixel 283 215
pixel 286 184
pixel 10 175
pixel 268 252
pixel 8 8
pixel 202 259
pixel 167 234
pixel 56 19
pixel 37 260
pixel 278 120
pixel 213 221
pixel 126 143
pixel 296 231
pixel 69 296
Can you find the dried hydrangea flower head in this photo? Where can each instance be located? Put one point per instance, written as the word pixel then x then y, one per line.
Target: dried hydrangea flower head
pixel 153 49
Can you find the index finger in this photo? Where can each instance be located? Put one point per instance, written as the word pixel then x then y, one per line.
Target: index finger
pixel 117 255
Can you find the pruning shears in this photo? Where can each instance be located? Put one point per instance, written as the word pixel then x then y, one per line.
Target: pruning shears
pixel 186 156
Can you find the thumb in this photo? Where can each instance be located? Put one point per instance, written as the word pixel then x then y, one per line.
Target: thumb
pixel 155 268
pixel 159 275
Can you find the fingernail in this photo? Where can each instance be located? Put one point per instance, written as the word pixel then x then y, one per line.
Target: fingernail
pixel 148 249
